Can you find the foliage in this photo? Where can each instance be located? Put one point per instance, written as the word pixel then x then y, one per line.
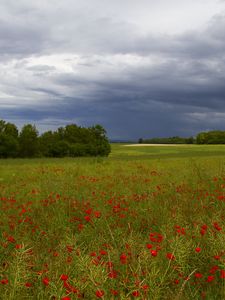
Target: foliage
pixel 211 137
pixel 71 140
pixel 169 140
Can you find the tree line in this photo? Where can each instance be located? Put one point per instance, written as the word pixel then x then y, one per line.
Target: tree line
pixel 209 137
pixel 71 140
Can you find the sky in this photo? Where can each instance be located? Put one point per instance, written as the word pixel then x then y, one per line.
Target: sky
pixel 140 68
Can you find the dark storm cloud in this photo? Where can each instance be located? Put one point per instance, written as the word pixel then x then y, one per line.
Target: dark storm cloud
pixel 60 65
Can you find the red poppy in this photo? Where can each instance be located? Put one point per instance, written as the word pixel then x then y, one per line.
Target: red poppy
pixel 170 256
pixel 4 281
pixel 198 275
pixel 210 278
pixel 28 284
pixel 99 293
pixel 222 274
pixel 123 258
pixel 114 292
pixel 64 277
pixel 112 274
pixel 136 293
pixel 45 281
pixel 198 249
pixel 154 252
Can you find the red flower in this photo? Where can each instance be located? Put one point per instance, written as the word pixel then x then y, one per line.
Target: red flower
pixel 28 284
pixel 112 274
pixel 198 275
pixel 11 239
pixel 222 274
pixel 45 281
pixel 198 249
pixel 213 269
pixel 65 298
pixel 69 248
pixel 216 226
pixel 210 278
pixel 97 214
pixel 123 258
pixel 136 293
pixel 145 287
pixel 87 218
pixel 170 256
pixel 99 293
pixel 4 281
pixel 114 292
pixel 154 252
pixel 64 277
pixel 149 246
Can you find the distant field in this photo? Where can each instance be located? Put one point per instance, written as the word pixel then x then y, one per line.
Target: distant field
pixel 146 223
pixel 166 151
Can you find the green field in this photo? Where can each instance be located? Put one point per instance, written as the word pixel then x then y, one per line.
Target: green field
pixel 144 223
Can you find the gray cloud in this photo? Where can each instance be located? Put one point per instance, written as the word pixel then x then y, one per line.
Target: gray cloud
pixel 65 62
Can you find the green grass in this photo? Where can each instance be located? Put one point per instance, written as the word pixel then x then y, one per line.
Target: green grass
pixel 97 221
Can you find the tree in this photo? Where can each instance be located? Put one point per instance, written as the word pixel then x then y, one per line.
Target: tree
pixel 28 141
pixel 8 140
pixel 9 146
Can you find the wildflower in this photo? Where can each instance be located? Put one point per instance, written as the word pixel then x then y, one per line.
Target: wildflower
pixel 136 293
pixel 213 269
pixel 123 258
pixel 65 298
pixel 4 281
pixel 210 278
pixel 11 239
pixel 154 252
pixel 217 227
pixel 217 257
pixel 114 292
pixel 28 284
pixel 103 252
pixel 99 293
pixel 149 246
pixel 222 274
pixel 170 256
pixel 69 248
pixel 45 281
pixel 97 214
pixel 198 275
pixel 87 218
pixel 64 277
pixel 198 249
pixel 145 287
pixel 112 274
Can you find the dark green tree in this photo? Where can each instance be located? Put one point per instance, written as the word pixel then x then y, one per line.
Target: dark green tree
pixel 28 141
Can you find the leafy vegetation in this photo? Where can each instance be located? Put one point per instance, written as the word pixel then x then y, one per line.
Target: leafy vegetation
pixel 210 137
pixel 71 140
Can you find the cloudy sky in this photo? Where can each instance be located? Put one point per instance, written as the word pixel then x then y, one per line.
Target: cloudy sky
pixel 141 68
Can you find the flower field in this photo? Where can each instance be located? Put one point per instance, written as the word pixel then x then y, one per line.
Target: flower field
pixel 113 228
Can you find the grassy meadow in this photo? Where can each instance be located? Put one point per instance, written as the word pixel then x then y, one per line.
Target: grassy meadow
pixel 144 223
